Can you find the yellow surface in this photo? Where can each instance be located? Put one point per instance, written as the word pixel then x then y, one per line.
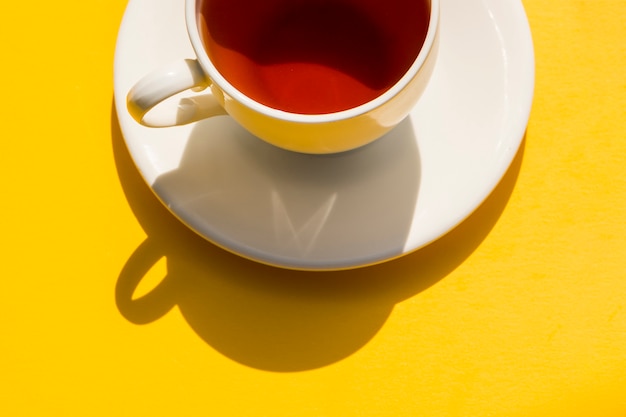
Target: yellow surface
pixel 521 311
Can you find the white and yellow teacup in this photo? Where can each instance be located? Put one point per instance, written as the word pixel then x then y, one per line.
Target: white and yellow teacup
pixel 315 133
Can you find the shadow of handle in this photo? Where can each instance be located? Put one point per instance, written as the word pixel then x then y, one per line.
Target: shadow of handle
pixel 196 108
pixel 153 305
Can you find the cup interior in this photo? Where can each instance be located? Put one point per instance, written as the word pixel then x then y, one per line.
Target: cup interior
pixel 311 57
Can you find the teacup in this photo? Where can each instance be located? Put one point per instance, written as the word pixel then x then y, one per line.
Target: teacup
pixel 312 76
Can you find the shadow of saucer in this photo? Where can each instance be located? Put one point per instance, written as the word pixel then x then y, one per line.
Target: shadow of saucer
pixel 275 319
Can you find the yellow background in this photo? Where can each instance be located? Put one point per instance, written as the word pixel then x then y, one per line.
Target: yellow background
pixel 520 311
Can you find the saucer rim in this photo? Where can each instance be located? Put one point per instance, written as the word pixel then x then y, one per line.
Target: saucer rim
pixel 488 185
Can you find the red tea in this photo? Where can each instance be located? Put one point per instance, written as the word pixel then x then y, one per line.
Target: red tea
pixel 314 56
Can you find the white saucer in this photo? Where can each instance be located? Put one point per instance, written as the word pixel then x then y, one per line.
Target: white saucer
pixel 352 209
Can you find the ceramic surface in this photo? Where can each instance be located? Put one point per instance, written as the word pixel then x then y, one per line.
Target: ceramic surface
pixel 351 209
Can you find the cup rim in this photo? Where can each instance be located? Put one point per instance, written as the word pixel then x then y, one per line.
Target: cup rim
pixel 218 79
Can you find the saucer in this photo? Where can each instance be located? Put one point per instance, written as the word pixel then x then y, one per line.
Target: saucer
pixel 347 210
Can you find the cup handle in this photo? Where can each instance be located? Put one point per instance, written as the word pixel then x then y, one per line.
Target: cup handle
pixel 161 84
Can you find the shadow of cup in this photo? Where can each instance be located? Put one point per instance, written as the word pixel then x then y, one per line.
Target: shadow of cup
pixel 276 319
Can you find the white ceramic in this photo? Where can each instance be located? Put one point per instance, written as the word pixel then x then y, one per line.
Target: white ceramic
pixel 337 211
pixel 309 133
